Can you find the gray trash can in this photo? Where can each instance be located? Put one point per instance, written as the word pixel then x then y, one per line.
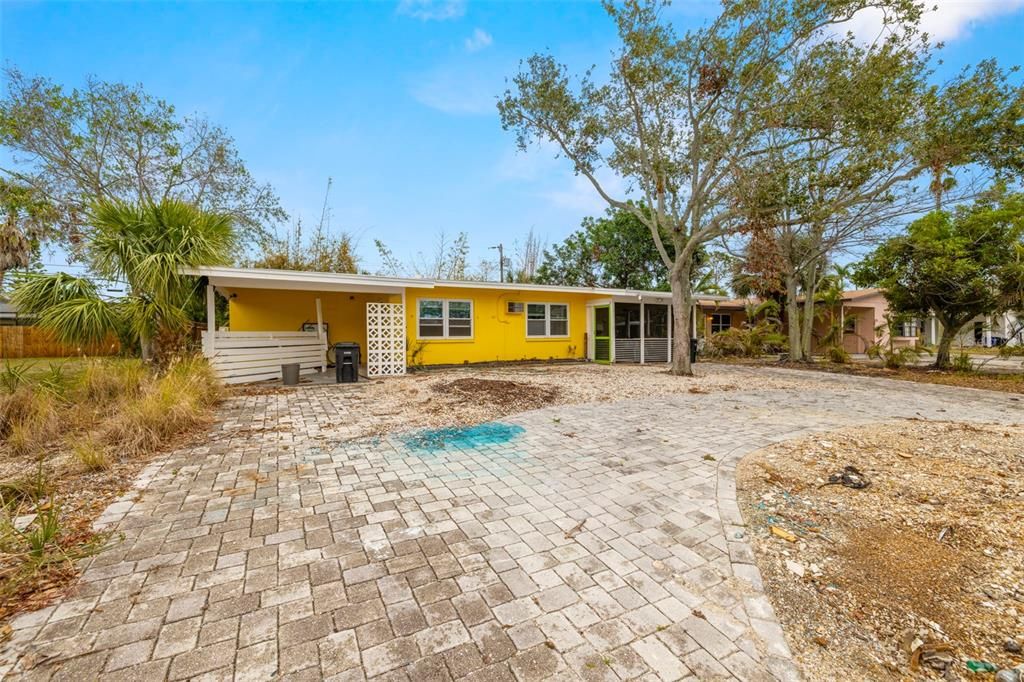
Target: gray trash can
pixel 290 374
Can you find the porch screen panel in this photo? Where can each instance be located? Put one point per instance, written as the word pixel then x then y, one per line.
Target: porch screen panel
pixel 656 321
pixel 385 339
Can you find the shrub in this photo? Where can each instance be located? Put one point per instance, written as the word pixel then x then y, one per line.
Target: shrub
pixel 891 356
pixel 91 454
pixel 28 419
pixel 963 363
pixel 748 341
pixel 104 381
pixel 14 376
pixel 166 406
pixel 837 355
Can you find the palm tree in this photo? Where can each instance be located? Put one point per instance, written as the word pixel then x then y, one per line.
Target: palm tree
pixel 145 247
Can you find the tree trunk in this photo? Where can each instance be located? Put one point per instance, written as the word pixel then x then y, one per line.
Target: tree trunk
pixel 146 347
pixel 949 333
pixel 682 304
pixel 793 320
pixel 807 322
pixel 807 327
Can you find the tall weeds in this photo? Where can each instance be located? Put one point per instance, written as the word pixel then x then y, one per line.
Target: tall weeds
pixel 166 406
pixel 125 407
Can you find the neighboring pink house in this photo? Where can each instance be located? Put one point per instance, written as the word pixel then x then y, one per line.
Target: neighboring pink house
pixel 861 312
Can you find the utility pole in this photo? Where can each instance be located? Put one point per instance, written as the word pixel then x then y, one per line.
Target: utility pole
pixel 501 261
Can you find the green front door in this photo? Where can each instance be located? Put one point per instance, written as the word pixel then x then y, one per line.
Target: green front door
pixel 602 334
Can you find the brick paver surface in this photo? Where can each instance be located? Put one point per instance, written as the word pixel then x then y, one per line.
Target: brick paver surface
pixel 602 542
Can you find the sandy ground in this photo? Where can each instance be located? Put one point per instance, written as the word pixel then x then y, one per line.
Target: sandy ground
pixel 908 578
pixel 472 395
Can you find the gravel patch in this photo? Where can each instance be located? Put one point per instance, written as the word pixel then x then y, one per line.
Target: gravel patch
pixel 910 577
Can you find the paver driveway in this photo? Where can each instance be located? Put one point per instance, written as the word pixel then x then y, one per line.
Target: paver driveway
pixel 592 541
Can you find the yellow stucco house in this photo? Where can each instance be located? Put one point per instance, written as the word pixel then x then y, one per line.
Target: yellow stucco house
pixel 282 316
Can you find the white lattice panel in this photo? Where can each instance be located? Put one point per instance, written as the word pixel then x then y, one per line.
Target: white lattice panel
pixel 385 339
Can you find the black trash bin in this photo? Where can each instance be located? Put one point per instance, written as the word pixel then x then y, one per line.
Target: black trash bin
pixel 346 362
pixel 693 351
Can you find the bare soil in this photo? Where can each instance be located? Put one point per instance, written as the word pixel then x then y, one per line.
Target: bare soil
pixel 466 396
pixel 908 578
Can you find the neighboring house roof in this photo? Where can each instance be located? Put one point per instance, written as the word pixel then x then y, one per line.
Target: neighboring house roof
pixel 738 303
pixel 733 303
pixel 855 294
pixel 331 281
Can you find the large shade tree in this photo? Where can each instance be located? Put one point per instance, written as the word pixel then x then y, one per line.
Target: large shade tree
pixel 116 142
pixel 689 122
pixel 145 248
pixel 764 117
pixel 955 264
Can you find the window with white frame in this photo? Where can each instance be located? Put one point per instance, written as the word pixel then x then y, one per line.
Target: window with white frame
pixel 445 319
pixel 910 328
pixel 547 319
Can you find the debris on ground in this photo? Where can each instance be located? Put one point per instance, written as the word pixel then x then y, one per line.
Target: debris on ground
pixel 463 396
pixel 849 477
pixel 502 393
pixel 919 575
pixel 575 530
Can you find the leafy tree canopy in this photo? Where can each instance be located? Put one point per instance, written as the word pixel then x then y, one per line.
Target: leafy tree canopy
pixel 957 264
pixel 324 252
pixel 115 142
pixel 615 250
pixel 26 220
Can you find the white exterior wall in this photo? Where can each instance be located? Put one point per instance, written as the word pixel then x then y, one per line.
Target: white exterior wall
pixel 1006 326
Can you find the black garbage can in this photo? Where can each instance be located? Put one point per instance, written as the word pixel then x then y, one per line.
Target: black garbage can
pixel 346 362
pixel 693 351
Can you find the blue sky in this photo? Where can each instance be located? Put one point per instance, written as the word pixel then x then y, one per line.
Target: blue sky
pixel 393 100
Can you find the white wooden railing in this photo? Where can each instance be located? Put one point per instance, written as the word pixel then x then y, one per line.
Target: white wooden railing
pixel 241 357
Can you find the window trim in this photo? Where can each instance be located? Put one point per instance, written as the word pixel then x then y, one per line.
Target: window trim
pixel 445 319
pixel 547 321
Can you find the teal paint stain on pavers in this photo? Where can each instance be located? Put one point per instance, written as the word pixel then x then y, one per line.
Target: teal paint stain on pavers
pixel 461 437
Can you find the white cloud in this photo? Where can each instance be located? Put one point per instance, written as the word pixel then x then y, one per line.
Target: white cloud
pixel 432 10
pixel 470 88
pixel 479 40
pixel 578 194
pixel 943 20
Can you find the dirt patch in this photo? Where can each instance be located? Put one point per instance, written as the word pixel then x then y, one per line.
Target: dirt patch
pixel 517 396
pixel 929 555
pixel 464 396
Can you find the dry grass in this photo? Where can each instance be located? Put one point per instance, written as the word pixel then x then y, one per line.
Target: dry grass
pixel 73 442
pixel 931 552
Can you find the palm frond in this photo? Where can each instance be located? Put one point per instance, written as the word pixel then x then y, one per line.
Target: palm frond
pixel 33 293
pixel 82 320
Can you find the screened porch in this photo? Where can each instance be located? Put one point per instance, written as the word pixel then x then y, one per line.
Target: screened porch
pixel 631 330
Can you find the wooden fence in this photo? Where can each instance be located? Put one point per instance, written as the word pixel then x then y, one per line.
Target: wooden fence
pixel 240 357
pixel 34 342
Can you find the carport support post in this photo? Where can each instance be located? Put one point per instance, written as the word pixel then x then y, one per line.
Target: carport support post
pixel 641 331
pixel 320 335
pixel 211 320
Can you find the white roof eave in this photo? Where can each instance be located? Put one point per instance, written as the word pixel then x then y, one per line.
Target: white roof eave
pixel 259 278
